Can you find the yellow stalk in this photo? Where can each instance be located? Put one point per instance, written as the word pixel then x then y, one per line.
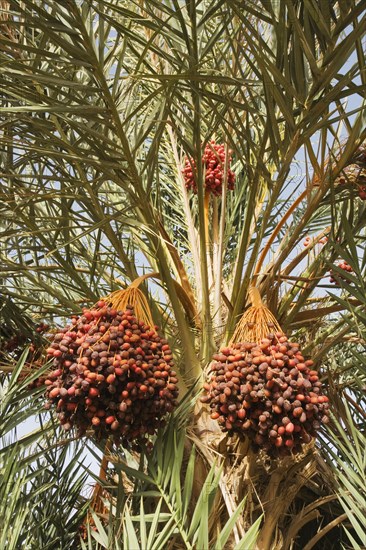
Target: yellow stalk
pixel 256 323
pixel 206 215
pixel 277 230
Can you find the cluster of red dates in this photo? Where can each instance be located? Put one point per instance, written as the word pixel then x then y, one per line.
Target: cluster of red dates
pixel 213 163
pixel 267 392
pixel 112 375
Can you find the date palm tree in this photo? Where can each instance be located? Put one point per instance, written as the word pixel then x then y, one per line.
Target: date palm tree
pixel 103 105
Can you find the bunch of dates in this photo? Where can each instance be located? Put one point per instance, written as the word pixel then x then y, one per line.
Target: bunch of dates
pixel 267 392
pixel 112 375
